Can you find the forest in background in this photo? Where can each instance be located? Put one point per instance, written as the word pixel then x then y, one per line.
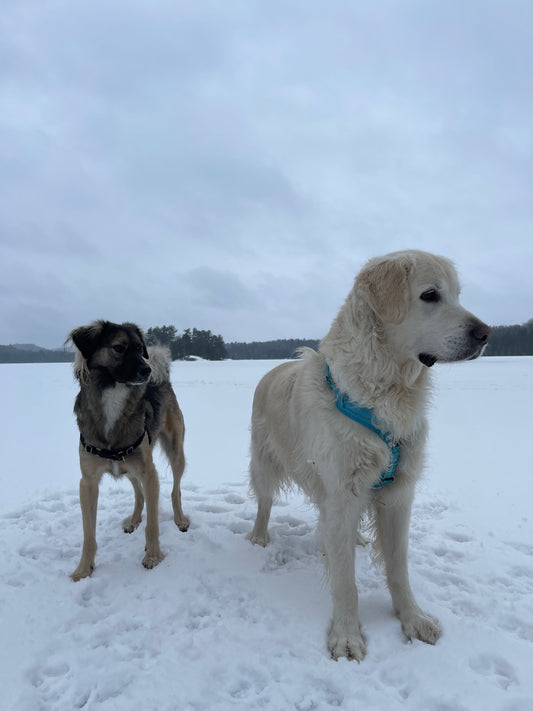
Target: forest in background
pixel 511 340
pixel 192 342
pixel 504 341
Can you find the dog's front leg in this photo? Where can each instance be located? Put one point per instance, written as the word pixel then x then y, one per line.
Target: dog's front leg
pixel 339 519
pixel 89 504
pixel 392 519
pixel 153 554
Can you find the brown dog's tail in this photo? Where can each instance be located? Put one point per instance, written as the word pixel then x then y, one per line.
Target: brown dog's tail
pixel 159 361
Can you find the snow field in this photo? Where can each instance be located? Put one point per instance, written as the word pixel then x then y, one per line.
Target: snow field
pixel 220 624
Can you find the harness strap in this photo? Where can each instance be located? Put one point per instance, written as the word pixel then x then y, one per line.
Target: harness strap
pixel 116 455
pixel 364 416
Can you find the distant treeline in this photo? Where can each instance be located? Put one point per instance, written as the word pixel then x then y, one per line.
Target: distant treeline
pixel 265 350
pixel 203 344
pixel 505 341
pixel 11 354
pixel 511 340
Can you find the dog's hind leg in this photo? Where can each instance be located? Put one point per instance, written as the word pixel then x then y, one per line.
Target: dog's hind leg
pixel 132 522
pixel 172 443
pixel 264 484
pixel 89 504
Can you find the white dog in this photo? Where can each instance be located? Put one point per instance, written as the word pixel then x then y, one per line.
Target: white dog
pixel 402 316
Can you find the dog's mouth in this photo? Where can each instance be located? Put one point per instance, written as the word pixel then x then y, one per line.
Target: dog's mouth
pixel 478 352
pixel 427 359
pixel 138 375
pixel 137 379
pixel 470 353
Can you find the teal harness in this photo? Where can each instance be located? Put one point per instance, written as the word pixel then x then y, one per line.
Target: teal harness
pixel 364 416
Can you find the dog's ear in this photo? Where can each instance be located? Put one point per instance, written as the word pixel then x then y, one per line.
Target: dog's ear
pixel 87 338
pixel 387 284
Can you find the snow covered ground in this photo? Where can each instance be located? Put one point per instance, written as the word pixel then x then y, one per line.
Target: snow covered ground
pixel 222 625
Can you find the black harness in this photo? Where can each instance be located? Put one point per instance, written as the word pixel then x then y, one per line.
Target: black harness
pixel 116 455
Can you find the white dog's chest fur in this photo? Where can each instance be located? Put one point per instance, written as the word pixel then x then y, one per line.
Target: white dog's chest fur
pixel 113 402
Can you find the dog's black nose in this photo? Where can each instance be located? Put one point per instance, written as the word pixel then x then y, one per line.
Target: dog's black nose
pixel 481 332
pixel 145 370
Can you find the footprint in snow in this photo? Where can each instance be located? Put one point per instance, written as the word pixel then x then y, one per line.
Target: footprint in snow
pixel 525 548
pixel 488 665
pixel 459 536
pixel 212 508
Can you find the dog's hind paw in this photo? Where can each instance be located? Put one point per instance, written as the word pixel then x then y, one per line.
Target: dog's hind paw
pixel 423 627
pixel 258 540
pixel 129 525
pixel 82 571
pixel 182 523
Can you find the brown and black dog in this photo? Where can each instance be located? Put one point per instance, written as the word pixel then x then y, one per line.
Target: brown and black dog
pixel 125 405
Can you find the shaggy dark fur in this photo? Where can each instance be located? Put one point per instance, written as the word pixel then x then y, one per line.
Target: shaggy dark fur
pixel 125 393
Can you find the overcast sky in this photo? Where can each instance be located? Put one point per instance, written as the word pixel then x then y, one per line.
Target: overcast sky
pixel 231 165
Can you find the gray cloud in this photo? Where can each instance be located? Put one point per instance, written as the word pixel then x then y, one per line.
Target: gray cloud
pixel 231 165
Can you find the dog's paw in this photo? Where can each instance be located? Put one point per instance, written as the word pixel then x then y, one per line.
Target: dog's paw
pixel 129 525
pixel 423 627
pixel 150 560
pixel 82 571
pixel 346 643
pixel 258 540
pixel 182 523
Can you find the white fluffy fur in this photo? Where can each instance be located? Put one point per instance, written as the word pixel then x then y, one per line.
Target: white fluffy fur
pixel 159 361
pixel 299 436
pixel 81 371
pixel 113 401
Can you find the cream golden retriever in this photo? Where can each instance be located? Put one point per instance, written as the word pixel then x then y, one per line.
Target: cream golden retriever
pixel 401 316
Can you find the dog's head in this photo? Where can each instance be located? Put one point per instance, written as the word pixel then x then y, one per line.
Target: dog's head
pixel 115 352
pixel 414 297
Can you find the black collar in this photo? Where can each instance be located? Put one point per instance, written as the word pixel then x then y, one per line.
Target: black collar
pixel 117 455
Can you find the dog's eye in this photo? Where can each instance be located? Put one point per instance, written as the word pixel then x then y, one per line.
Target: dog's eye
pixel 119 348
pixel 431 295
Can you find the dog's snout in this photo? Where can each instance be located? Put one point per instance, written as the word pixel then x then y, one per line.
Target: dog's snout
pixel 145 370
pixel 481 332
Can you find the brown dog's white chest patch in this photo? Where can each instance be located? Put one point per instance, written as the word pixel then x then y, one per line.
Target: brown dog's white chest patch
pixel 113 401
